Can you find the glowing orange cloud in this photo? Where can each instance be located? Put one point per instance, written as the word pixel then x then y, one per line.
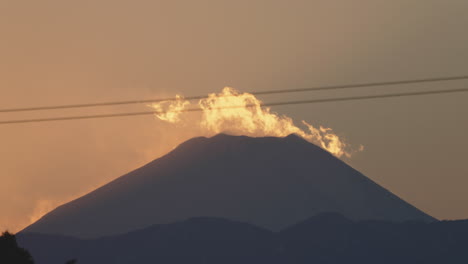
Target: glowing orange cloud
pixel 239 113
pixel 172 111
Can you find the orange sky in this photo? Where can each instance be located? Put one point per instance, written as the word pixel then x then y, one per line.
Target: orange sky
pixel 58 52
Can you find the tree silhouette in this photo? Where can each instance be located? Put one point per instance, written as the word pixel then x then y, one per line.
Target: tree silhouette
pixel 11 253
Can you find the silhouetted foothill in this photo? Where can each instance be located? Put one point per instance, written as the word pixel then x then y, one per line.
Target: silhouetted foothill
pixel 326 238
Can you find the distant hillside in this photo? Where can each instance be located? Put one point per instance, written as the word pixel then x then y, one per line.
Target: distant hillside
pixel 327 238
pixel 270 182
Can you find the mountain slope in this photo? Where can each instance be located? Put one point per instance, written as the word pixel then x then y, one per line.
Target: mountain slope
pixel 270 182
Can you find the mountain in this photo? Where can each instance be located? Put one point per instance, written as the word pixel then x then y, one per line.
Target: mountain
pixel 269 182
pixel 335 239
pixel 326 238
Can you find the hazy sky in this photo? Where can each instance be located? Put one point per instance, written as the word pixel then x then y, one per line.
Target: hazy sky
pixel 62 51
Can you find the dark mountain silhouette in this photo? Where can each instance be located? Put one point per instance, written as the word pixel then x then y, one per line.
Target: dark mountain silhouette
pixel 326 238
pixel 334 239
pixel 197 240
pixel 270 182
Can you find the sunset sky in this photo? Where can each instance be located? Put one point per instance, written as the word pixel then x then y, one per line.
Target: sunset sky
pixel 65 52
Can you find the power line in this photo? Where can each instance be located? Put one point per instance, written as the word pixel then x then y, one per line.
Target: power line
pixel 324 100
pixel 282 91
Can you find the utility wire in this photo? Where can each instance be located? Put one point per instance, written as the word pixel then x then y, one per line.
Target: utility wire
pixel 324 100
pixel 318 88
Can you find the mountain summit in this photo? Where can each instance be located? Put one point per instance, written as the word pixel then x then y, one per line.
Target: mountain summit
pixel 270 182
